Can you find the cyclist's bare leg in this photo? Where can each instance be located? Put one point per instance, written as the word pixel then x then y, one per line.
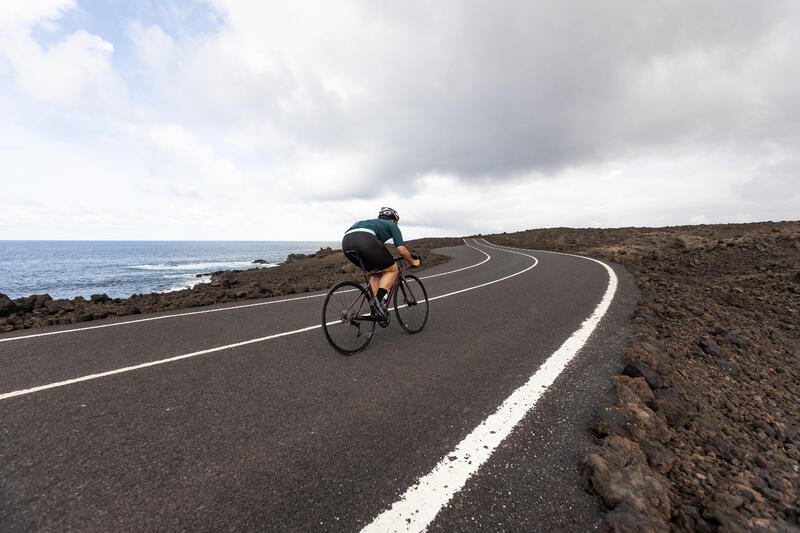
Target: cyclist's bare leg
pixel 384 279
pixel 374 280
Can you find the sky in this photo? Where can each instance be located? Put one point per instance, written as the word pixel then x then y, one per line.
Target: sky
pixel 239 120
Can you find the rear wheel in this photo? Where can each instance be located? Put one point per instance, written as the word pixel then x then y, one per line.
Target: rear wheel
pixel 345 318
pixel 411 304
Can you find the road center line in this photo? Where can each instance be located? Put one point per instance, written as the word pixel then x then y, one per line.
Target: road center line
pixel 420 504
pixel 231 308
pixel 39 388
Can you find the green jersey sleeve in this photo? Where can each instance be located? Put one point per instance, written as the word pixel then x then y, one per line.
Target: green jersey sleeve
pixel 397 237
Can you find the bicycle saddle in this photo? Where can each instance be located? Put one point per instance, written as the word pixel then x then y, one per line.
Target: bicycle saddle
pixel 355 257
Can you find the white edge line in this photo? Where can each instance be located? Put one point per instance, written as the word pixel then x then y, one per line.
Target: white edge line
pixel 150 363
pixel 231 308
pixel 420 504
pixel 21 392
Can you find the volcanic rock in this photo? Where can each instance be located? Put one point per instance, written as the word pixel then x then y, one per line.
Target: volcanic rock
pixel 62 304
pixel 728 366
pixel 293 258
pixel 7 305
pixel 637 385
pixel 35 301
pixel 729 397
pixel 624 519
pixel 640 369
pixel 323 252
pixel 710 346
pixel 618 472
pixel 670 403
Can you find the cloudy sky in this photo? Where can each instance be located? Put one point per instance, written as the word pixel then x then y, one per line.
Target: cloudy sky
pixel 240 120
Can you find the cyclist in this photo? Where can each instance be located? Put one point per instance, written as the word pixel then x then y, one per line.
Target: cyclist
pixel 367 237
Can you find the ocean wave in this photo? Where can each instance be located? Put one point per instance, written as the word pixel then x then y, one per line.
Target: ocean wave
pixel 210 266
pixel 189 281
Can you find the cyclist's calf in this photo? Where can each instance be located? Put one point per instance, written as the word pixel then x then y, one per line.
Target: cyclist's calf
pixel 384 279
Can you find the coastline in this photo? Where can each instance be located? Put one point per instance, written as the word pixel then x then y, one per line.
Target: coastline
pixel 701 431
pixel 299 273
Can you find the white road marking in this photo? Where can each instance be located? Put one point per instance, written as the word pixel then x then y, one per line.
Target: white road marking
pixel 420 504
pixel 231 308
pixel 535 262
pixel 31 390
pixel 150 363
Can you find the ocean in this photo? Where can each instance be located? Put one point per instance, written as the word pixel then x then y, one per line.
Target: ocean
pixel 65 269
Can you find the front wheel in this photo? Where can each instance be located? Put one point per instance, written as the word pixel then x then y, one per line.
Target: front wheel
pixel 346 318
pixel 411 304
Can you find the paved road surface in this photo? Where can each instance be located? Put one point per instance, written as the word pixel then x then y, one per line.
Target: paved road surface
pixel 254 430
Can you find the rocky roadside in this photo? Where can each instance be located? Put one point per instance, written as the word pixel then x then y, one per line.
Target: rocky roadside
pixel 700 431
pixel 300 273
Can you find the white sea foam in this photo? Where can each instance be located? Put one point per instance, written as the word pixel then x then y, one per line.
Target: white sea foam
pixel 210 266
pixel 187 282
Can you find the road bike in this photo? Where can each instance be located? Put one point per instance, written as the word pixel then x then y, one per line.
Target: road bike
pixel 349 318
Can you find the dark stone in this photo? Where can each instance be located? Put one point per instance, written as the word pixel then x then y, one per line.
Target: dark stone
pixel 609 422
pixel 728 366
pixel 7 305
pixel 637 369
pixel 624 519
pixel 659 457
pixel 29 303
pixel 62 304
pixel 710 346
pixel 82 316
pixel 324 252
pixel 670 403
pixel 293 258
pixel 722 448
pixel 720 332
pixel 618 472
pixel 260 262
pixel 99 298
pixel 770 494
pixel 739 341
pixel 723 508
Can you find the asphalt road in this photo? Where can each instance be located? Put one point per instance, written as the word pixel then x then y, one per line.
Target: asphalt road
pixel 265 432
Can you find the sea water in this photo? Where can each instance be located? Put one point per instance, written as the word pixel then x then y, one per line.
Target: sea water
pixel 65 269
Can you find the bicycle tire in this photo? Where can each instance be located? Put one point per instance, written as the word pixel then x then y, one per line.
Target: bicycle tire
pixel 411 304
pixel 342 304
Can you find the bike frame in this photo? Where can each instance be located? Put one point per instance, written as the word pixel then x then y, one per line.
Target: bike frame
pixel 398 284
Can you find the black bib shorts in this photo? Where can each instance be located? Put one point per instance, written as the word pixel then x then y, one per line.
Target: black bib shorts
pixel 372 251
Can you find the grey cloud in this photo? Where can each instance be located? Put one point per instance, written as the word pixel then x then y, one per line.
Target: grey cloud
pixel 524 86
pixel 494 89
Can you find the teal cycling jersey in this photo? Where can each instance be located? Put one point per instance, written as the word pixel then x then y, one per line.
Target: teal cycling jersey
pixel 382 229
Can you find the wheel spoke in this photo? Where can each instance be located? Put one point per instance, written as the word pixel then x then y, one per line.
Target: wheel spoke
pixel 411 304
pixel 344 330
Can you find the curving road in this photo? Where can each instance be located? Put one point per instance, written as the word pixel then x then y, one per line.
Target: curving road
pixel 241 417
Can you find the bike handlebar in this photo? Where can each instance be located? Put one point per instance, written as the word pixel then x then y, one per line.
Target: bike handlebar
pixel 413 256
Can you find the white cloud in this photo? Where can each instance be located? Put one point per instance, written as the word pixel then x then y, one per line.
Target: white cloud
pixel 75 72
pixel 290 119
pixel 19 17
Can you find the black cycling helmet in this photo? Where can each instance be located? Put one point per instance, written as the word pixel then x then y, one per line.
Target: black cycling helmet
pixel 389 214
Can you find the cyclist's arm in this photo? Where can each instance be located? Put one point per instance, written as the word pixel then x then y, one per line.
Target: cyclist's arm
pixel 407 255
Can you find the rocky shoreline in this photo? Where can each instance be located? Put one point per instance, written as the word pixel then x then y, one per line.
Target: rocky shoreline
pixel 299 273
pixel 700 430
